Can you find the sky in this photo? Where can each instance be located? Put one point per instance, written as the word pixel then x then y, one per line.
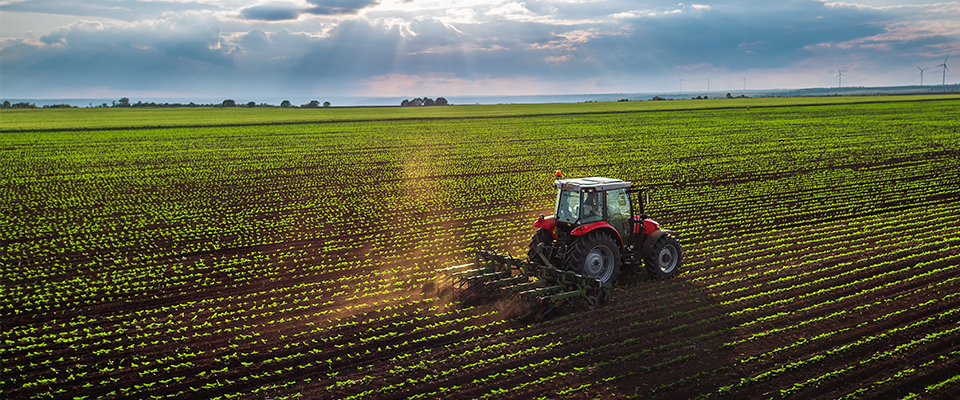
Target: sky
pixel 270 48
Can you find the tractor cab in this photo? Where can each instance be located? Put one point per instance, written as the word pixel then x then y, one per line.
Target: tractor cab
pixel 584 201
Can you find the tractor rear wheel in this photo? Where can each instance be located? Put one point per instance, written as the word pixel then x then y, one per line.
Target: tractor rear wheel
pixel 664 259
pixel 543 236
pixel 595 255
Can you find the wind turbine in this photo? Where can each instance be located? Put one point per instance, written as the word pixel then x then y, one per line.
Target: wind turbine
pixel 839 77
pixel 744 83
pixel 945 69
pixel 921 73
pixel 708 84
pixel 681 83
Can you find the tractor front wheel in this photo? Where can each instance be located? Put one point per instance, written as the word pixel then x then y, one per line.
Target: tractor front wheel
pixel 664 258
pixel 595 255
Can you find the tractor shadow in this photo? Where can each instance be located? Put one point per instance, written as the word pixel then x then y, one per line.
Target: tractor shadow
pixel 670 338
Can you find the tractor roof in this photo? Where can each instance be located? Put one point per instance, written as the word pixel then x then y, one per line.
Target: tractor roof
pixel 593 184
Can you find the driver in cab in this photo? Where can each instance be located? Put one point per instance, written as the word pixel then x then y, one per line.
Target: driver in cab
pixel 591 208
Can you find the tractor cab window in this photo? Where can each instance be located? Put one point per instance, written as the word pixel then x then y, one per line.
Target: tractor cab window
pixel 568 206
pixel 592 208
pixel 618 212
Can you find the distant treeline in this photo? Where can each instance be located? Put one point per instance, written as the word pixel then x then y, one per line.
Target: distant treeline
pixel 23 104
pixel 125 102
pixel 426 101
pixel 704 97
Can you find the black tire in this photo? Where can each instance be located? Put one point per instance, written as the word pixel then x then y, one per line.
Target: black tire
pixel 596 255
pixel 665 257
pixel 542 236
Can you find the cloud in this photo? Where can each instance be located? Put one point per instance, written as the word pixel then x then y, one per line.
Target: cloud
pixel 450 85
pixel 255 40
pixel 271 12
pixel 124 10
pixel 558 59
pixel 350 47
pixel 338 7
pixel 634 14
pixel 291 11
pixel 510 9
pixel 147 57
pixel 460 15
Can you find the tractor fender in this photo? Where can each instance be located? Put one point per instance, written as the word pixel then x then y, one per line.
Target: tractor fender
pixel 548 222
pixel 652 240
pixel 604 225
pixel 649 226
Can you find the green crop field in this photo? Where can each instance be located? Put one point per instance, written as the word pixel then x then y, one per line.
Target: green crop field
pixel 294 253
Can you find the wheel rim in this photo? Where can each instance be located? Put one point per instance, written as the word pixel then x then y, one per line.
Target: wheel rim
pixel 599 263
pixel 667 259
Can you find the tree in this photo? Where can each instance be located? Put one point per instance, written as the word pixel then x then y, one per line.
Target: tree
pixel 124 102
pixel 729 96
pixel 252 104
pixel 313 104
pixel 424 101
pixel 228 103
pixel 6 104
pixel 285 103
pixel 326 104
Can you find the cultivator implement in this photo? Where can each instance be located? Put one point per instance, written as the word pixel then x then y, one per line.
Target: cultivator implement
pixel 540 288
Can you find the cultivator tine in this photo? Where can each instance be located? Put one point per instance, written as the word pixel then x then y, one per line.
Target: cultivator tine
pixel 509 281
pixel 568 295
pixel 544 311
pixel 543 291
pixel 456 267
pixel 492 276
pixel 472 272
pixel 522 287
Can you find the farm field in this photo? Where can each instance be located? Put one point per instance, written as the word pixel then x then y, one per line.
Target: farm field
pixel 294 254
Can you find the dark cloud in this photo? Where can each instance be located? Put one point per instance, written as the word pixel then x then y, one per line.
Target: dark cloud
pixel 271 12
pixel 128 68
pixel 125 10
pixel 150 57
pixel 196 50
pixel 354 49
pixel 730 37
pixel 338 7
pixel 288 11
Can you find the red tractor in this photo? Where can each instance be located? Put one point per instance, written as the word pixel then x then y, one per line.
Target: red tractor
pixel 598 226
